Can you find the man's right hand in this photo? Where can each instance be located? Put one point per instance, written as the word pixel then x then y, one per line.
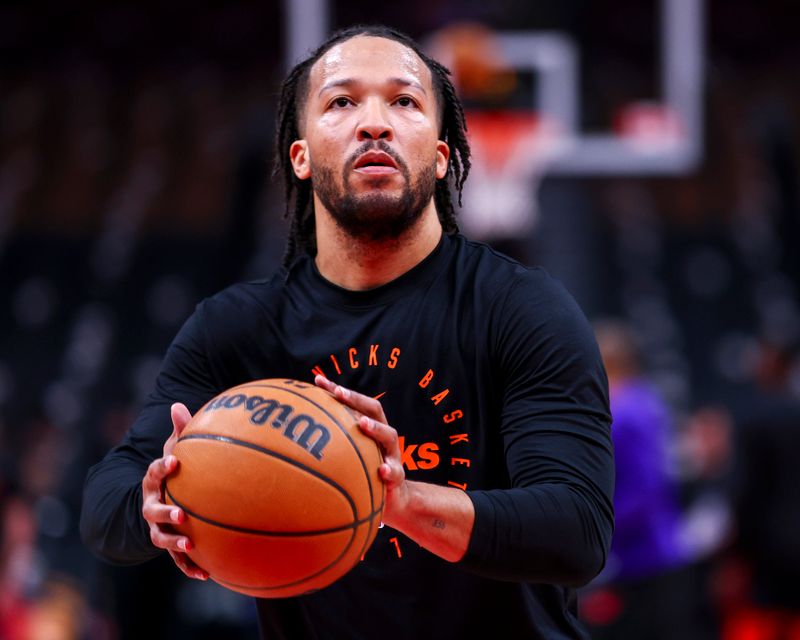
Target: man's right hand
pixel 160 515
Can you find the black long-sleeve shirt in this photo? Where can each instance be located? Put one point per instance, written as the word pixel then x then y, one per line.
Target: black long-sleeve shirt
pixel 490 374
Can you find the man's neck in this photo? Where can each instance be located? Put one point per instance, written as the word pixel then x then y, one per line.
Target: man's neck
pixel 358 264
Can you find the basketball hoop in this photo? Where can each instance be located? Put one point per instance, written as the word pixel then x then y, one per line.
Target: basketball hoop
pixel 511 151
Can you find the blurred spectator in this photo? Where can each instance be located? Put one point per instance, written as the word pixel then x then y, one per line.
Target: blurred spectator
pixel 17 570
pixel 645 594
pixel 767 504
pixel 705 451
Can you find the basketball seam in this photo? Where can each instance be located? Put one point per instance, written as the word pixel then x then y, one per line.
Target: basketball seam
pixel 269 452
pixel 368 539
pixel 338 424
pixel 311 577
pixel 275 534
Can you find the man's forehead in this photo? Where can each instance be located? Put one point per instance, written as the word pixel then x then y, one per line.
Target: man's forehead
pixel 366 56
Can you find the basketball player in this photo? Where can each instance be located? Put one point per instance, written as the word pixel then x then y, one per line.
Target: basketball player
pixel 498 461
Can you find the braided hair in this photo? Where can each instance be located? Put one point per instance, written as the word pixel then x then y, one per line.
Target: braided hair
pixel 298 193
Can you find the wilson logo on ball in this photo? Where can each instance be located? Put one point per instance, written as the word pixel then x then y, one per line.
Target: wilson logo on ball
pixel 299 428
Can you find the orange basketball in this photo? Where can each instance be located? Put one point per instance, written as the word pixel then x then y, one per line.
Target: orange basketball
pixel 280 488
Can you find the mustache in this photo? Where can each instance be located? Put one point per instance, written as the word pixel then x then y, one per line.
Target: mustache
pixel 376 145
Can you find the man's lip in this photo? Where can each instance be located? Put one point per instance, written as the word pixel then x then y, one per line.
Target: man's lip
pixel 376 170
pixel 375 160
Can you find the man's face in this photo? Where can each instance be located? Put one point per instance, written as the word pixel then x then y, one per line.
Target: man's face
pixel 370 137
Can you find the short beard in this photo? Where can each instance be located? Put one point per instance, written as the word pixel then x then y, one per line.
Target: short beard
pixel 375 217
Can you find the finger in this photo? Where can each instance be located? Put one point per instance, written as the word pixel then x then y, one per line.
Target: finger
pixel 159 469
pixel 391 469
pixel 358 401
pixel 187 565
pixel 383 434
pixel 392 472
pixel 180 416
pixel 323 383
pixel 156 513
pixel 169 541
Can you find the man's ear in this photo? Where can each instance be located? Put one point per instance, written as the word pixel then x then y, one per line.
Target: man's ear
pixel 301 160
pixel 442 158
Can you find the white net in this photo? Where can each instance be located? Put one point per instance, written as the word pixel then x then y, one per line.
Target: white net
pixel 511 152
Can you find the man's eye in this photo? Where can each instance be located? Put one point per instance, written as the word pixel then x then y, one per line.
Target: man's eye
pixel 341 102
pixel 405 101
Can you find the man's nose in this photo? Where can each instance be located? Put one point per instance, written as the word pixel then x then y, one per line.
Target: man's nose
pixel 374 123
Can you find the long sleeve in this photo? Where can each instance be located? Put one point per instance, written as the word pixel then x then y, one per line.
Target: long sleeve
pixel 554 523
pixel 111 514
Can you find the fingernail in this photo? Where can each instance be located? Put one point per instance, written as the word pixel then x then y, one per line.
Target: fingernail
pixel 182 545
pixel 175 515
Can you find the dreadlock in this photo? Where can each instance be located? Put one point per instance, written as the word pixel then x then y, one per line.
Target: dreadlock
pixel 299 202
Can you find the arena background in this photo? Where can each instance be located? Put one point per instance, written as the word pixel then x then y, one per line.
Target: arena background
pixel 135 147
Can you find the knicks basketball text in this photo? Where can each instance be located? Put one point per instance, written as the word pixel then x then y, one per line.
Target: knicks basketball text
pixel 355 359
